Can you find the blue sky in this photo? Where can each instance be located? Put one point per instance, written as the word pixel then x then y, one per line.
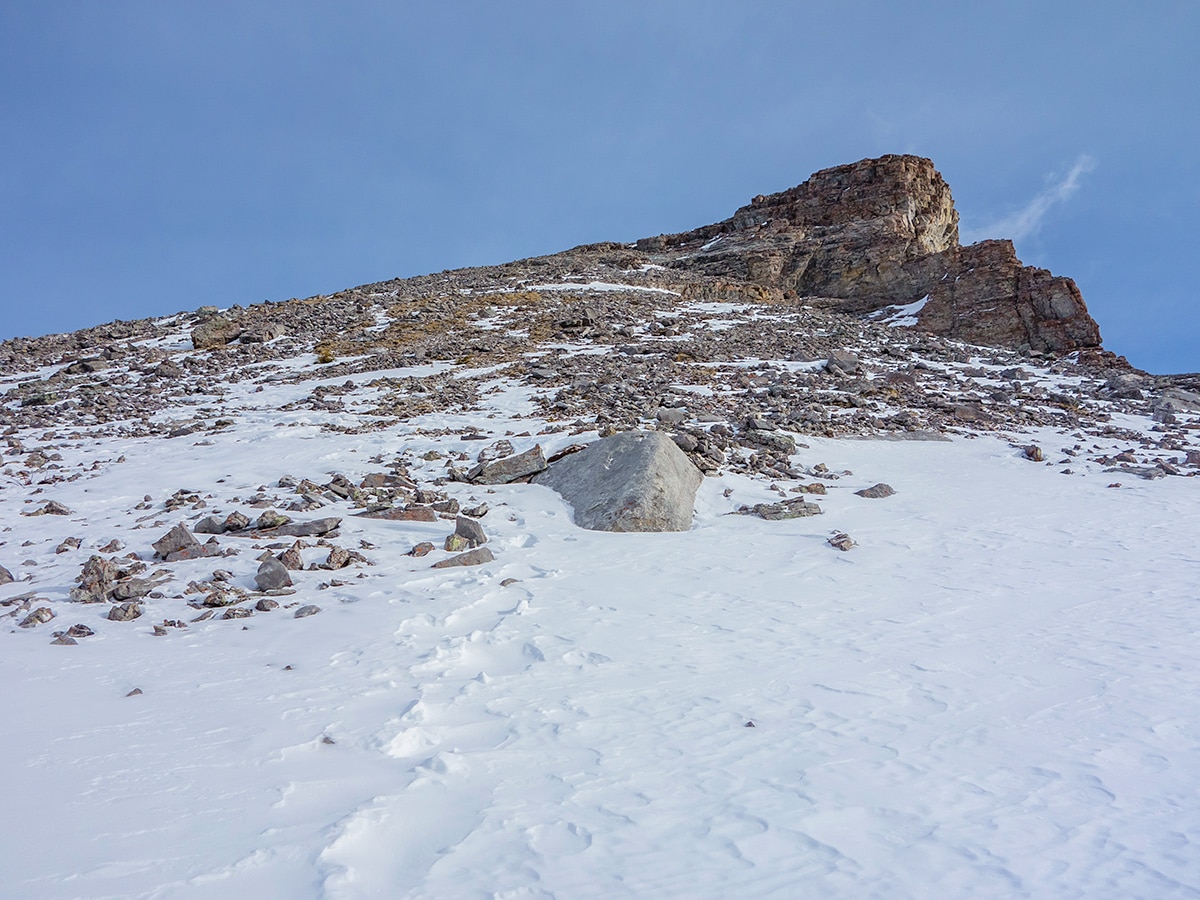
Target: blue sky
pixel 162 156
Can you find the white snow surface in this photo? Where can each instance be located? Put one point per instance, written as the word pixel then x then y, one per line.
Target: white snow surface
pixel 995 694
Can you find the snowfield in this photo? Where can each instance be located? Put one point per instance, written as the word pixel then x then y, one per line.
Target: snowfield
pixel 995 694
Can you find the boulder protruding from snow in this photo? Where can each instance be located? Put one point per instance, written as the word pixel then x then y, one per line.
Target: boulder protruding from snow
pixel 631 481
pixel 510 468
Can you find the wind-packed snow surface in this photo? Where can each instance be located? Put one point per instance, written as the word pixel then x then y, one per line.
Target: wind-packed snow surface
pixel 994 694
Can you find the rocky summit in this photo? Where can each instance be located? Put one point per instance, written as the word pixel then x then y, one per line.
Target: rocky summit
pixel 876 235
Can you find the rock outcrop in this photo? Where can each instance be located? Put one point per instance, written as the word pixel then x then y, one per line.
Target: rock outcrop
pixel 882 233
pixel 632 481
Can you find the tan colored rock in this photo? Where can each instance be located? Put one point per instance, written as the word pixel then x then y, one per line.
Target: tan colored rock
pixel 881 233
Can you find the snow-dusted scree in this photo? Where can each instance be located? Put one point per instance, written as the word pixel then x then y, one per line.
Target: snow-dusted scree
pixel 286 617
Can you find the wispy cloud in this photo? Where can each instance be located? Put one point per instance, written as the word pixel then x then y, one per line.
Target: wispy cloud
pixel 1027 220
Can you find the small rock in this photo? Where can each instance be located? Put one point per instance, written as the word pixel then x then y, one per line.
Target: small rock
pixel 842 541
pixel 236 521
pixel 507 581
pixel 456 542
pixel 421 549
pixel 80 630
pixel 71 543
pixel 37 617
pixel 476 512
pixel 271 519
pixel 211 525
pixel 237 612
pixel 401 514
pixel 794 508
pixel 509 469
pixel 671 417
pixel 49 508
pixel 272 576
pixel 338 558
pixel 475 557
pixel 877 491
pixel 134 693
pixel 64 640
pixel 1034 453
pixel 471 530
pixel 305 611
pixel 125 612
pixel 291 558
pixel 6 577
pixel 178 543
pixel 266 604
pixel 314 528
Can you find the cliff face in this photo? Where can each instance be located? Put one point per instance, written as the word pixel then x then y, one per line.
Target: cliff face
pixel 884 232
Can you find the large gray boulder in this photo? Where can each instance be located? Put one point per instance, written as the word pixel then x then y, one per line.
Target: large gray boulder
pixel 632 481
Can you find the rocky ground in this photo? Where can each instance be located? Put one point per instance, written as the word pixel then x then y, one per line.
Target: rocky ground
pixel 598 339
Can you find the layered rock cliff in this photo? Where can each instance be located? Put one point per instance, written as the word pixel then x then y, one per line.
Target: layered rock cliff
pixel 883 233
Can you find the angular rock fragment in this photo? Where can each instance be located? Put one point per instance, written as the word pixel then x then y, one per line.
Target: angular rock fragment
pixel 39 616
pixel 877 491
pixel 132 589
pixel 178 543
pixel 125 612
pixel 401 514
pixel 794 508
pixel 272 576
pixel 475 557
pixel 96 581
pixel 470 530
pixel 271 519
pixel 422 549
pixel 215 332
pixel 64 640
pixel 236 521
pixel 843 362
pixel 266 604
pixel 237 612
pixel 6 577
pixel 631 481
pixel 305 611
pixel 510 468
pixel 69 544
pixel 842 541
pixel 79 631
pixel 314 528
pixel 49 508
pixel 210 525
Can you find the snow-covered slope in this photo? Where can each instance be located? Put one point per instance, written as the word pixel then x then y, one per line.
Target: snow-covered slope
pixel 994 694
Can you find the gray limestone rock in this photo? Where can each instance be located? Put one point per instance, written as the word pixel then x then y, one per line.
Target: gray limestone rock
pixel 39 616
pixel 877 491
pixel 125 612
pixel 315 528
pixel 794 508
pixel 177 541
pixel 631 481
pixel 306 611
pixel 476 557
pixel 210 525
pixel 272 576
pixel 509 469
pixel 470 530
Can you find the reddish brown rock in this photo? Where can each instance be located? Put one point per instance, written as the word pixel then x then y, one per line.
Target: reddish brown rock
pixel 881 233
